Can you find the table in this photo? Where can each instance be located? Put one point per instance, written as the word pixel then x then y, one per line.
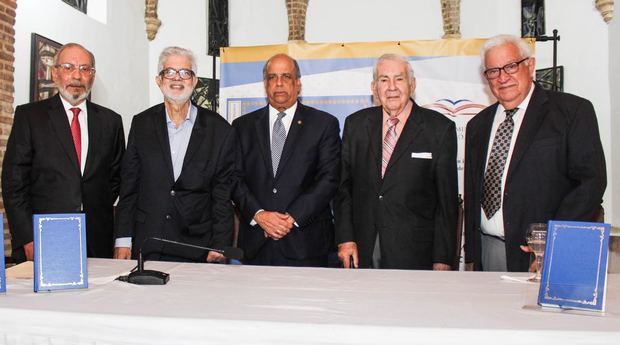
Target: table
pixel 228 304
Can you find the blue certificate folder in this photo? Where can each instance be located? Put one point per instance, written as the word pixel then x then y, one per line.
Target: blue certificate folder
pixel 575 265
pixel 59 252
pixel 2 273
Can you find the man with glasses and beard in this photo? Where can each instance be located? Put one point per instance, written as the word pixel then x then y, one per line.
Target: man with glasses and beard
pixel 533 156
pixel 176 173
pixel 63 156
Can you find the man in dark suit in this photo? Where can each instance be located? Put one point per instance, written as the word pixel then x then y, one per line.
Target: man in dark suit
pixel 397 202
pixel 176 174
pixel 63 156
pixel 288 161
pixel 533 156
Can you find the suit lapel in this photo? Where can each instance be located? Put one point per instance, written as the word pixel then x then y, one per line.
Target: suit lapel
pixel 161 132
pixel 533 117
pixel 411 130
pixel 262 135
pixel 481 141
pixel 196 138
pixel 291 137
pixel 62 130
pixel 374 130
pixel 95 126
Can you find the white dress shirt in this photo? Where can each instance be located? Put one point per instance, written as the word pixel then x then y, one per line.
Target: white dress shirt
pixel 495 225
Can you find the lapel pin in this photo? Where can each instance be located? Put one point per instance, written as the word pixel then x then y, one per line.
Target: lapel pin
pixel 299 122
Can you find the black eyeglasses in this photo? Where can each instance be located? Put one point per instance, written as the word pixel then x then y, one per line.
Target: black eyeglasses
pixel 70 68
pixel 171 73
pixel 510 68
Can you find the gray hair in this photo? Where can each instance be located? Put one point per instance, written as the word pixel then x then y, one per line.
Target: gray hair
pixel 392 57
pixel 176 51
pixel 74 45
pixel 266 66
pixel 500 40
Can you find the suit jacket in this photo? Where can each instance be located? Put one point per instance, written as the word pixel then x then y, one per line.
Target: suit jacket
pixel 194 209
pixel 41 173
pixel 557 171
pixel 414 207
pixel 304 185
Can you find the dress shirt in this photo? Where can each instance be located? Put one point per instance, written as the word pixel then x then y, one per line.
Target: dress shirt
pixel 83 120
pixel 495 225
pixel 178 138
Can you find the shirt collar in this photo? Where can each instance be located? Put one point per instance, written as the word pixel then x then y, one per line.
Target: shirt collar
pixel 192 112
pixel 289 112
pixel 68 105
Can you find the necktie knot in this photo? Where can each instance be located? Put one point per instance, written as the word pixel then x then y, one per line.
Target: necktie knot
pixel 511 112
pixel 392 121
pixel 280 116
pixel 76 111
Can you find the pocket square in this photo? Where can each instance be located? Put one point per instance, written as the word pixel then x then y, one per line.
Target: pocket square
pixel 422 155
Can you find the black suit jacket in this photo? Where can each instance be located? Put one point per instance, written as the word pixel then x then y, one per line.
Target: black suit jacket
pixel 414 207
pixel 40 172
pixel 195 208
pixel 557 171
pixel 304 185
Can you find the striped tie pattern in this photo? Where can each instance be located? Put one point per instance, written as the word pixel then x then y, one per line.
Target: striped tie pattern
pixel 76 133
pixel 492 192
pixel 277 142
pixel 389 142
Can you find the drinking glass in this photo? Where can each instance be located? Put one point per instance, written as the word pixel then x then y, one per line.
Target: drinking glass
pixel 536 239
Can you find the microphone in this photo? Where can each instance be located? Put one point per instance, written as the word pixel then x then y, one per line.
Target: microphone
pixel 151 277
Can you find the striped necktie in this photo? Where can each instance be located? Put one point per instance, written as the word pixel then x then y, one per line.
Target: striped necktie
pixel 389 142
pixel 278 137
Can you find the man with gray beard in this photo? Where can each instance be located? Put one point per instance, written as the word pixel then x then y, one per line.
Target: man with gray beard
pixel 63 156
pixel 176 174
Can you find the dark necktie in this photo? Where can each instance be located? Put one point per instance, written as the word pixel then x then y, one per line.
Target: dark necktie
pixel 492 193
pixel 277 142
pixel 76 133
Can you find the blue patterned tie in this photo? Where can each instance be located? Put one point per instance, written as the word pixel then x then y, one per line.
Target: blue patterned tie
pixel 277 142
pixel 492 193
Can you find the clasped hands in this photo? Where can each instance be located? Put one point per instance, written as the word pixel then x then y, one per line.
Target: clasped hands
pixel 274 224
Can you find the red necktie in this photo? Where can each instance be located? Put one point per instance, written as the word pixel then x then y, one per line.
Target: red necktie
pixel 76 133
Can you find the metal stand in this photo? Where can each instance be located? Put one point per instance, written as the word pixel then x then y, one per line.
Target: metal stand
pixel 555 38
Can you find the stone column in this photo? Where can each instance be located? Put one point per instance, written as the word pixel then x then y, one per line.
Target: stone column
pixel 150 18
pixel 296 10
pixel 606 7
pixel 451 14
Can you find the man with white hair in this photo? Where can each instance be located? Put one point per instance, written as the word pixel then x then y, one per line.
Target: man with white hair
pixel 396 205
pixel 533 156
pixel 176 175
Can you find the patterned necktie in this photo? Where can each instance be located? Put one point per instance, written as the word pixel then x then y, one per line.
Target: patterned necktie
pixel 492 193
pixel 277 142
pixel 76 133
pixel 389 142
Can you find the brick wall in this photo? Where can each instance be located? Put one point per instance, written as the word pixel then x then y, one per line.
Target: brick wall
pixel 7 57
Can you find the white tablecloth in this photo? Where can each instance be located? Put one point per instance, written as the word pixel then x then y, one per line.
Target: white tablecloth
pixel 220 304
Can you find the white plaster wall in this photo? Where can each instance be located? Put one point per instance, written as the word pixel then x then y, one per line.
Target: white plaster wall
pixel 613 160
pixel 120 48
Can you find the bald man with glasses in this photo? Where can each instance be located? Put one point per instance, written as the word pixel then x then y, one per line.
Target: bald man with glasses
pixel 176 175
pixel 533 156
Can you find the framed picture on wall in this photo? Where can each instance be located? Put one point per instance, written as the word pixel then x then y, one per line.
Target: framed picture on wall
pixel 206 93
pixel 80 5
pixel 42 55
pixel 544 77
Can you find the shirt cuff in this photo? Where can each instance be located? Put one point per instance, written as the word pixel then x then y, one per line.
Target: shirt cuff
pixel 253 222
pixel 123 242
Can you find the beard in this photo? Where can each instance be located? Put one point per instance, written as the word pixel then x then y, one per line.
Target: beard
pixel 179 97
pixel 74 98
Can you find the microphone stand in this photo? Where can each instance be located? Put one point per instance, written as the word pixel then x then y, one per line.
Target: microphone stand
pixel 152 277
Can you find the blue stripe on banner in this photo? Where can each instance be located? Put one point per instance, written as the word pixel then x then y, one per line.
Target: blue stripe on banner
pixel 240 73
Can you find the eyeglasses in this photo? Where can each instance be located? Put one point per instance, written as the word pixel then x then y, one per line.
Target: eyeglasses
pixel 510 68
pixel 171 73
pixel 70 68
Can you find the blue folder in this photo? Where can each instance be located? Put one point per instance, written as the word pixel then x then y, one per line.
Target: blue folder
pixel 574 272
pixel 60 252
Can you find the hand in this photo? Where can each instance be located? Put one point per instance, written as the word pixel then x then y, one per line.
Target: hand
pixel 346 252
pixel 437 266
pixel 29 251
pixel 528 249
pixel 275 224
pixel 215 257
pixel 122 253
pixel 469 266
